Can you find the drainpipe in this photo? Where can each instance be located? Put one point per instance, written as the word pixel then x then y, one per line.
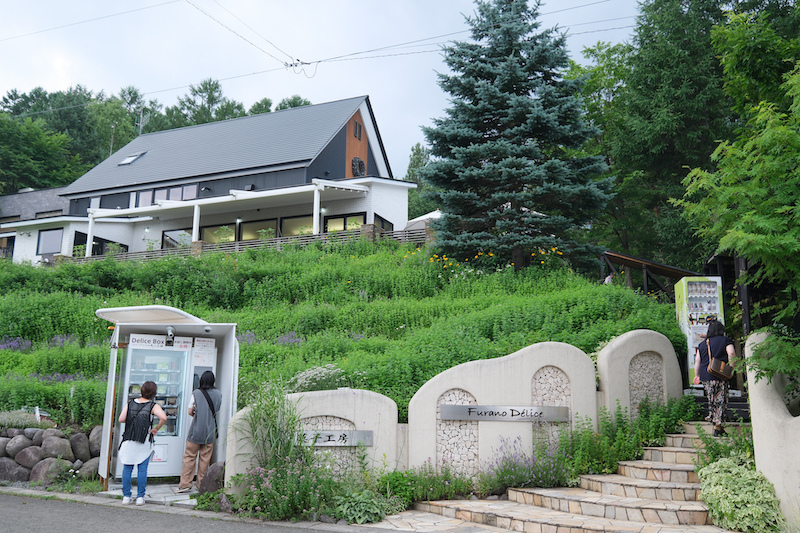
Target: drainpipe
pixel 89 236
pixel 196 223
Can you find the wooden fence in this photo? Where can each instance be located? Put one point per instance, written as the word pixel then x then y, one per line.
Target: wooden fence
pixel 417 236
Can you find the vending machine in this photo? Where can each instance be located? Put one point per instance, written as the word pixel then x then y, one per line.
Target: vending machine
pixel 172 349
pixel 698 300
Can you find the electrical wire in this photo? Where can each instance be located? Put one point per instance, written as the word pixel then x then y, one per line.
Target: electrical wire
pixel 298 63
pixel 284 63
pixel 85 21
pixel 254 31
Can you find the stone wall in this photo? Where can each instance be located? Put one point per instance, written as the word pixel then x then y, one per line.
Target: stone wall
pixel 340 409
pixel 547 373
pixel 634 365
pixel 40 455
pixel 550 374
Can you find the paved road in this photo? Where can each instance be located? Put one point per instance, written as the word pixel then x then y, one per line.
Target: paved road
pixel 33 514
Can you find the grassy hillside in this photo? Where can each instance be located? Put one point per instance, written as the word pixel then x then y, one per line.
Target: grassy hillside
pixel 378 316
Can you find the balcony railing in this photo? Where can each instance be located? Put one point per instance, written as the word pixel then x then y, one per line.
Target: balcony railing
pixel 417 236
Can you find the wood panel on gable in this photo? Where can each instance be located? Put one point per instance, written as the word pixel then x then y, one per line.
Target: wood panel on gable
pixel 357 150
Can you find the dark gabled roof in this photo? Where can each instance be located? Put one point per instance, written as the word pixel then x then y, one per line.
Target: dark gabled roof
pixel 295 135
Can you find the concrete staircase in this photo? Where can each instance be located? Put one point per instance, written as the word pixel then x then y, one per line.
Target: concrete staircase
pixel 658 494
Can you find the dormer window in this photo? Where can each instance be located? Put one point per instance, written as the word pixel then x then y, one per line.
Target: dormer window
pixel 131 158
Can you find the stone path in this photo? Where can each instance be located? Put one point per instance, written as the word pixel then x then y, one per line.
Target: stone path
pixel 658 494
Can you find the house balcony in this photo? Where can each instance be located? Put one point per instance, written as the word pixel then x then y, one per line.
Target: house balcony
pixel 368 231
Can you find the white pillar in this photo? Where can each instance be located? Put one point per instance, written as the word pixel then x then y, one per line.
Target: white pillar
pixel 315 209
pixel 196 223
pixel 89 236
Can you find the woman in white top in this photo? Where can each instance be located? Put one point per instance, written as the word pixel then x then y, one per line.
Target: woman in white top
pixel 135 448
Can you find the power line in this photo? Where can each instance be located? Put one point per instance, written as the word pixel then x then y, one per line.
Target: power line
pixel 254 31
pixel 343 57
pixel 85 21
pixel 284 63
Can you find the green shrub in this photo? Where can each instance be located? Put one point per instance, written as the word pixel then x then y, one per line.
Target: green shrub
pixel 359 507
pixel 289 490
pixel 22 419
pixel 81 402
pixel 738 445
pixel 740 498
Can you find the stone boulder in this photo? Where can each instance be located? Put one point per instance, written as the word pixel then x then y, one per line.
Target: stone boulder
pixel 13 432
pixel 30 456
pixel 17 444
pixel 53 432
pixel 31 432
pixel 96 440
pixel 3 443
pixel 214 478
pixel 58 447
pixel 80 446
pixel 10 470
pixel 38 437
pixel 47 470
pixel 90 468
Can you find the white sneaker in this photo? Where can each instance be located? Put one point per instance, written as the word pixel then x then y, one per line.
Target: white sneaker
pixel 126 500
pixel 140 501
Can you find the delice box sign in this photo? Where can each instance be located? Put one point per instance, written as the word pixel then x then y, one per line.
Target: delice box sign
pixel 148 342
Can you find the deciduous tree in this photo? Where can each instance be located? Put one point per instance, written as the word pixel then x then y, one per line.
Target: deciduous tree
pixel 31 155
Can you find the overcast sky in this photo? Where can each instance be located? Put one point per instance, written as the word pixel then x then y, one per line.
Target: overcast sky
pixel 389 50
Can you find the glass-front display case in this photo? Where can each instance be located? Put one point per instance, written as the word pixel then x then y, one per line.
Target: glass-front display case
pixel 167 369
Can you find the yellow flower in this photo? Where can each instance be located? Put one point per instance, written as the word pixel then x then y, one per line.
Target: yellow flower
pixel 542 262
pixel 491 254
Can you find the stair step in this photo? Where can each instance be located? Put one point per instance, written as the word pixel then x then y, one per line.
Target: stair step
pixel 658 471
pixel 591 503
pixel 640 488
pixel 670 454
pixel 691 427
pixel 515 516
pixel 684 440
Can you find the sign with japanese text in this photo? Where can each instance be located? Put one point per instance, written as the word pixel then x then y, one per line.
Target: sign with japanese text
pixel 505 413
pixel 339 437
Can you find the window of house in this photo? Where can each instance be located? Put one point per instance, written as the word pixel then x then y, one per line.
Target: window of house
pixel 131 158
pixel 356 130
pixel 145 199
pixel 50 241
pixel 254 230
pixel 384 224
pixel 3 220
pixel 217 234
pixel 345 222
pixel 190 191
pixel 297 226
pixel 176 238
pixel 48 214
pixel 159 194
pixel 175 193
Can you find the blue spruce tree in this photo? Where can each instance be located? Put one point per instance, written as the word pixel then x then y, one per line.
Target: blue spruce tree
pixel 506 168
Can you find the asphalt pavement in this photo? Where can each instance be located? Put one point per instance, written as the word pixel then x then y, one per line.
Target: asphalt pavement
pixel 37 511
